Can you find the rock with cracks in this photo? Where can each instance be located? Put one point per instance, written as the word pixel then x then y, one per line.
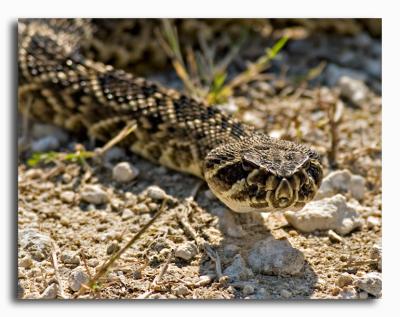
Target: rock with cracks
pixel 326 214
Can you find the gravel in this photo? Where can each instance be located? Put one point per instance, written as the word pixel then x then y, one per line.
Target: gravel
pixel 371 283
pixel 94 194
pixel 67 196
pixel 186 251
pixel 277 257
pixel 124 172
pixel 156 193
pixel 344 279
pixel 37 244
pixel 77 278
pixel 327 214
pixel 180 290
pixel 68 257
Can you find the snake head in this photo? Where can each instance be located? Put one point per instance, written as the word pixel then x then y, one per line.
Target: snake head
pixel 260 173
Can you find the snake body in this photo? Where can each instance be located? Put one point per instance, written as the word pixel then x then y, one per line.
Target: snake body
pixel 247 170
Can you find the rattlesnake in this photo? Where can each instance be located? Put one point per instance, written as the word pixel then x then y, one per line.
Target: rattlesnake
pixel 247 170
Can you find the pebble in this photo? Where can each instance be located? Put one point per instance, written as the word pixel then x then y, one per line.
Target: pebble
pixel 238 269
pixel 276 257
pixel 363 295
pixel 142 208
pixel 71 258
pixel 45 144
pixel 156 193
pixel 180 290
pixel 371 283
pixel 248 290
pixel 37 244
pixel 334 237
pixel 94 194
pixel 348 293
pixel 50 292
pixel 77 278
pixel 229 225
pixel 67 196
pixel 344 279
pixel 373 222
pixel 124 172
pixel 127 214
pixel 329 213
pixel 112 248
pixel 342 181
pixel 353 89
pixel 204 280
pixel 26 262
pixel 186 251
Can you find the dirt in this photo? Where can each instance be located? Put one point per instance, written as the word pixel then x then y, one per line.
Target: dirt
pixel 309 111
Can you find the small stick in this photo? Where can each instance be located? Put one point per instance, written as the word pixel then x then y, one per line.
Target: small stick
pixel 118 254
pixel 129 128
pixel 57 272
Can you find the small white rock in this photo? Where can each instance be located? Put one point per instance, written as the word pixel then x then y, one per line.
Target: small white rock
pixel 277 257
pixel 156 193
pixel 373 222
pixel 329 213
pixel 127 214
pixel 371 283
pixel 94 194
pixel 357 186
pixel 186 251
pixel 37 244
pixel 45 144
pixel 334 237
pixel 77 278
pixel 50 292
pixel 124 172
pixel 67 196
pixel 353 89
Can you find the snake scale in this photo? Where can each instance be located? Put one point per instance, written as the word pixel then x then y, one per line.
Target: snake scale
pixel 247 170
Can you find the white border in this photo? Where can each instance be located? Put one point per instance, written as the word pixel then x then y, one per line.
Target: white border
pixel 205 8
